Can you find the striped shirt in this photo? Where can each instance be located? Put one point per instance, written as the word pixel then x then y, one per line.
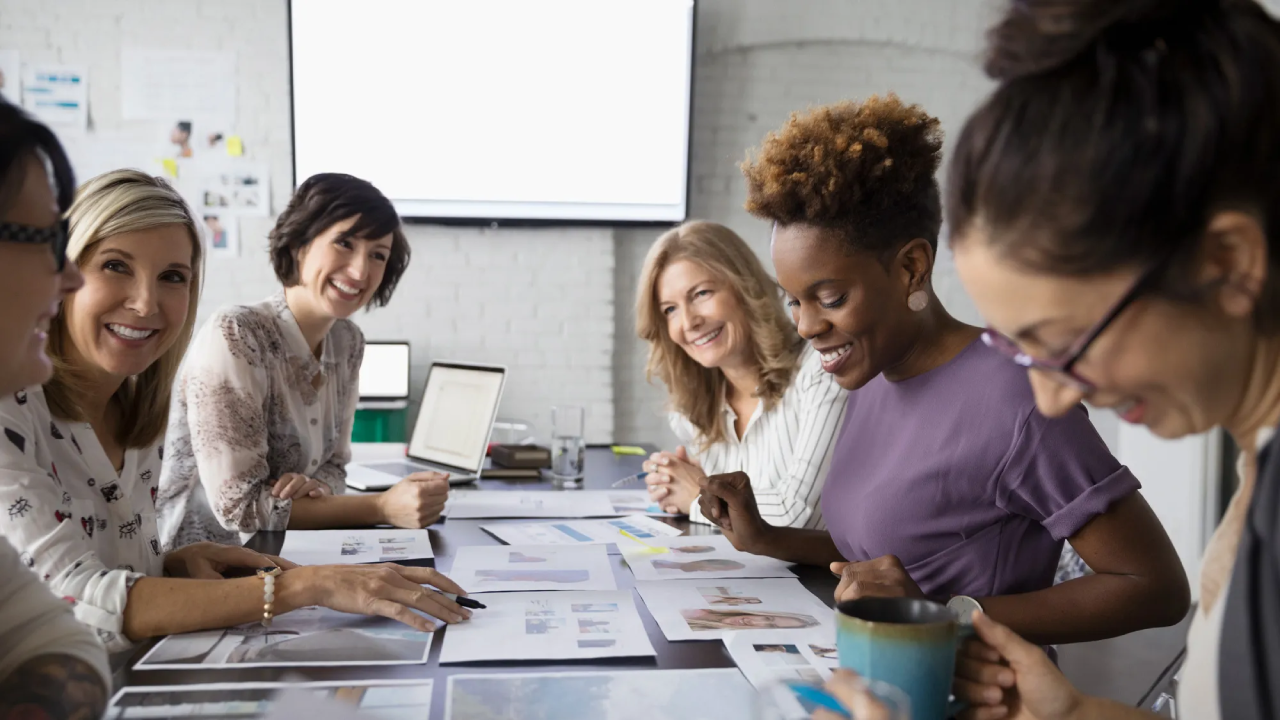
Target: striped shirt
pixel 785 450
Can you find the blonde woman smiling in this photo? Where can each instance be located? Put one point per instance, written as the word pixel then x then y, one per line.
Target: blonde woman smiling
pixel 746 393
pixel 80 459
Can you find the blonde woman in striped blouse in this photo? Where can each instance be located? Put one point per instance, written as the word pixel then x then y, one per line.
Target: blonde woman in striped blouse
pixel 746 393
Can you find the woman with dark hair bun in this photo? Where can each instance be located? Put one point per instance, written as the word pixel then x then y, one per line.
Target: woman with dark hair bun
pixel 1114 208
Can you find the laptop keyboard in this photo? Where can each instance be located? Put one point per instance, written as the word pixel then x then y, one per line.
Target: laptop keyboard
pixel 400 469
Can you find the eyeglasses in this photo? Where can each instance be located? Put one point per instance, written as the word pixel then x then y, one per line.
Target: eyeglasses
pixel 1063 367
pixel 55 237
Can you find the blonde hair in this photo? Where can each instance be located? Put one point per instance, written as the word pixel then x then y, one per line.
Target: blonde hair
pixel 717 619
pixel 695 391
pixel 117 202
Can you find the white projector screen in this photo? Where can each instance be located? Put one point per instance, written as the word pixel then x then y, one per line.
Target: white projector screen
pixel 492 110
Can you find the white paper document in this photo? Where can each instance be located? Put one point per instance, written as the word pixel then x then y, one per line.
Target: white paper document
pixel 767 658
pixel 505 568
pixel 582 532
pixel 708 609
pixel 549 626
pixel 57 94
pixel 602 695
pixel 351 547
pixel 378 699
pixel 700 556
pixel 471 504
pixel 628 502
pixel 169 85
pixel 227 188
pixel 311 636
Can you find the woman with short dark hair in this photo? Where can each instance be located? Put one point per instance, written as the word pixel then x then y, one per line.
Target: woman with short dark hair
pixel 259 436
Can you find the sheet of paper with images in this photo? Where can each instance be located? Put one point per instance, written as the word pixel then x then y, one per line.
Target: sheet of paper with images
pixel 505 568
pixel 352 547
pixel 380 699
pixel 700 556
pixel 601 695
pixel 56 94
pixel 768 658
pixel 472 504
pixel 549 626
pixel 310 636
pixel 627 502
pixel 707 609
pixel 582 532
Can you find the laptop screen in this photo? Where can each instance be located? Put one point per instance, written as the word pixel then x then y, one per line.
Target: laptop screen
pixel 384 373
pixel 456 417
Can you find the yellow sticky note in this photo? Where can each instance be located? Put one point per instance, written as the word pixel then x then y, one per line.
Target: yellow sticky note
pixel 628 450
pixel 171 167
pixel 235 146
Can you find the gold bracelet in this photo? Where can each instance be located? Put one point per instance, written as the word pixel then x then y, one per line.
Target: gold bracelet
pixel 268 575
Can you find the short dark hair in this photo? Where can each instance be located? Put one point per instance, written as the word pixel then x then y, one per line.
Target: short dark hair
pixel 328 198
pixel 864 169
pixel 1118 129
pixel 20 135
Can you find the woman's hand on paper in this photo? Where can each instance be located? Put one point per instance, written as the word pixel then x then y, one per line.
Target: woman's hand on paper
pixel 1000 675
pixel 296 485
pixel 389 590
pixel 674 480
pixel 416 501
pixel 883 577
pixel 208 561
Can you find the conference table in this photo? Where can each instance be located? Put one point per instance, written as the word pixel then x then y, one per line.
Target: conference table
pixel 603 467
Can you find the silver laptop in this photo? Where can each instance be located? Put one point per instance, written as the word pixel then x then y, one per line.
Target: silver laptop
pixel 452 432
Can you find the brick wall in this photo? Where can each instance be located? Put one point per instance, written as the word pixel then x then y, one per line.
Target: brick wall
pixel 539 301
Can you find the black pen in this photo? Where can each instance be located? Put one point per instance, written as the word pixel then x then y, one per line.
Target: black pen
pixel 466 602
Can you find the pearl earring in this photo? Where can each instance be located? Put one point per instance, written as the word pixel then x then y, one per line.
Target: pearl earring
pixel 918 300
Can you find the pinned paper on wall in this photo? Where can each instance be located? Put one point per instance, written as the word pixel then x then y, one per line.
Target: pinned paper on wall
pixel 227 188
pixel 57 95
pixel 167 84
pixel 11 76
pixel 235 146
pixel 222 233
pixel 170 167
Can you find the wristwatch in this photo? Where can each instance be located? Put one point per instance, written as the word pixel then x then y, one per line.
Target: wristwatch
pixel 963 606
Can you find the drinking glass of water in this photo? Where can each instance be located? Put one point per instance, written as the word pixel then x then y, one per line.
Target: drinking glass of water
pixel 568 448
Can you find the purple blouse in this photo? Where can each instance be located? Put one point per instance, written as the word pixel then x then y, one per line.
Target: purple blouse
pixel 956 473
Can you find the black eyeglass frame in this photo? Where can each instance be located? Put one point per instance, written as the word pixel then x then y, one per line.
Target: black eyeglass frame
pixel 55 237
pixel 1063 366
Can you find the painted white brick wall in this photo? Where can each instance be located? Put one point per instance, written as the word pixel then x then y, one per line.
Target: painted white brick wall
pixel 539 301
pixel 760 60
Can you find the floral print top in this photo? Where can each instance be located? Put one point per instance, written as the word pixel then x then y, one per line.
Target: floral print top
pixel 87 531
pixel 252 403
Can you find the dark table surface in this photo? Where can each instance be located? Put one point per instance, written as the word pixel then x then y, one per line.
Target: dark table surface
pixel 602 469
pixel 1145 656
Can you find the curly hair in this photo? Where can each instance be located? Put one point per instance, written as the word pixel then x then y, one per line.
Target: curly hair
pixel 324 200
pixel 865 169
pixel 695 391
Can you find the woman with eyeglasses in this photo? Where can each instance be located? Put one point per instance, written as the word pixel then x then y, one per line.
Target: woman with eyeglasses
pixel 945 483
pixel 1114 207
pixel 50 665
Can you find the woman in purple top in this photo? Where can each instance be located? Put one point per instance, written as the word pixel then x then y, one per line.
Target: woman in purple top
pixel 945 481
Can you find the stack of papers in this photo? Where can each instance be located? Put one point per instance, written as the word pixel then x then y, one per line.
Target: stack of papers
pixel 474 504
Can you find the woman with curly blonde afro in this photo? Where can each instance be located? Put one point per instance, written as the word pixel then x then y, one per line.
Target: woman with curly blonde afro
pixel 945 482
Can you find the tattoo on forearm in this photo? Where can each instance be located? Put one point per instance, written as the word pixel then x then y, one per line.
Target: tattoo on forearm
pixel 53 687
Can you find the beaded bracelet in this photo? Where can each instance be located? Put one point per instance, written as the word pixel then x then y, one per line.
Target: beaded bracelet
pixel 268 575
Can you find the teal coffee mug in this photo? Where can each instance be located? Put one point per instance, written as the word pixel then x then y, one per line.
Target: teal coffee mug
pixel 908 643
